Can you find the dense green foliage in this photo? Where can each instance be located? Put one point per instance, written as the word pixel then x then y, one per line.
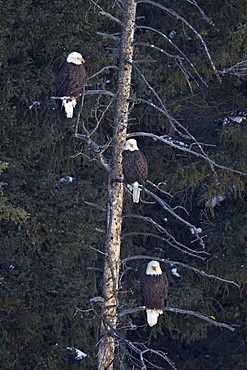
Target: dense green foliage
pixel 48 237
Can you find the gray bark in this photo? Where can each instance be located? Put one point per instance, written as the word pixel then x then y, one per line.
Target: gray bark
pixel 115 192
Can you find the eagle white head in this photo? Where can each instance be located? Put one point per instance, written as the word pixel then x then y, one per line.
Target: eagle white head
pixel 131 145
pixel 75 58
pixel 153 268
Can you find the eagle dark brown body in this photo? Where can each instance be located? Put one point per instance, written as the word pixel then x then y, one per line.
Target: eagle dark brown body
pixel 69 77
pixel 154 290
pixel 135 167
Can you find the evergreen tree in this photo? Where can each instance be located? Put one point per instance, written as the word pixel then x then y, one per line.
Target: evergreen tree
pixel 51 262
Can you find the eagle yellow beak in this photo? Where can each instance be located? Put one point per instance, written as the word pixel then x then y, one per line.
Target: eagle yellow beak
pixel 154 268
pixel 81 60
pixel 132 146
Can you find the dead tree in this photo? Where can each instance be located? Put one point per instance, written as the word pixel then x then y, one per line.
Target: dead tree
pixel 109 336
pixel 115 191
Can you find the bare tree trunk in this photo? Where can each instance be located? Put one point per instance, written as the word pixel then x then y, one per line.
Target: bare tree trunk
pixel 115 192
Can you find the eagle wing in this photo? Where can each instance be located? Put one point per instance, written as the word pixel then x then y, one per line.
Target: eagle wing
pixel 135 167
pixel 154 290
pixel 144 289
pixel 141 166
pixel 164 287
pixel 69 78
pixel 128 166
pixel 62 80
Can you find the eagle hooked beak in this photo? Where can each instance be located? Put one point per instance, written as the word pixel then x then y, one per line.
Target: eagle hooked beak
pixel 132 146
pixel 154 268
pixel 81 60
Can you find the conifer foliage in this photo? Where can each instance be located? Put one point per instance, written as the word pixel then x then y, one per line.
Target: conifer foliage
pixel 187 110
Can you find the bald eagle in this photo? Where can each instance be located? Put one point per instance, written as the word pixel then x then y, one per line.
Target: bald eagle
pixel 154 289
pixel 135 168
pixel 71 76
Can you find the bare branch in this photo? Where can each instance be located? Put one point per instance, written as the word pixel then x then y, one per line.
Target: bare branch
pixel 171 211
pixel 153 91
pixel 172 120
pixel 98 120
pixel 97 250
pixel 96 206
pixel 163 231
pixel 140 352
pixel 99 230
pixel 239 69
pixel 79 113
pixel 94 269
pixel 102 92
pixel 162 355
pixel 97 299
pixel 106 35
pixel 100 71
pixel 60 97
pixel 200 272
pixel 157 48
pixel 179 310
pixel 130 311
pixel 158 188
pixel 207 19
pixel 145 61
pixel 182 148
pixel 177 16
pixel 201 316
pixel 87 92
pixel 192 253
pixel 178 49
pixel 110 16
pixel 97 151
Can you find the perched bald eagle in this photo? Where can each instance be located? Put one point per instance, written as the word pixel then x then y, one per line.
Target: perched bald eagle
pixel 135 168
pixel 71 76
pixel 154 289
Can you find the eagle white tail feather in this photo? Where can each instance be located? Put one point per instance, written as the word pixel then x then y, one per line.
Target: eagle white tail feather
pixel 136 192
pixel 69 106
pixel 152 316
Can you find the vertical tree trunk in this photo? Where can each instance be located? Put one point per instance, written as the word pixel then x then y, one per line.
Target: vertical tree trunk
pixel 115 192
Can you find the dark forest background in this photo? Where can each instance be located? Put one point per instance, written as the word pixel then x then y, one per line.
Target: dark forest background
pixel 48 239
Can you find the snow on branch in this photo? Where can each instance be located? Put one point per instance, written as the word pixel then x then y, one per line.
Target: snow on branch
pixel 164 231
pixel 200 272
pixel 182 148
pixel 173 120
pixel 157 48
pixel 174 214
